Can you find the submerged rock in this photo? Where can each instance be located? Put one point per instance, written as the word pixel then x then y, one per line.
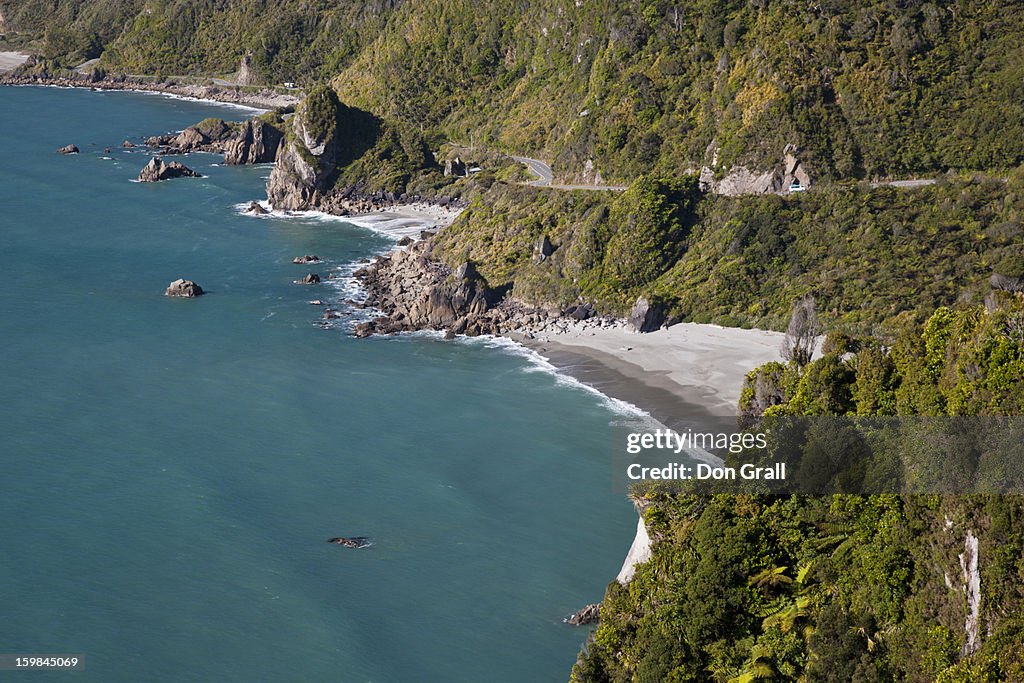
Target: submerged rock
pixel 68 149
pixel 351 541
pixel 184 288
pixel 157 169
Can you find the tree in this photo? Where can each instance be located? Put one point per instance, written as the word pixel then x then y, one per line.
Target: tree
pixel 802 333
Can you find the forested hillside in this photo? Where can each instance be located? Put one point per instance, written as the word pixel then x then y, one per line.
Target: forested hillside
pixel 862 88
pixel 844 588
pixel 875 260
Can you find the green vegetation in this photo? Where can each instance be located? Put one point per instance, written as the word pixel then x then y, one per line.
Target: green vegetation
pixel 875 260
pixel 838 588
pixel 647 86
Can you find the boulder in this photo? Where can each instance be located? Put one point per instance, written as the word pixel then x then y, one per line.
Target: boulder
pixel 157 169
pixel 405 241
pixel 308 258
pixel 542 249
pixel 590 614
pixel 311 279
pixel 426 234
pixel 581 312
pixel 645 316
pixel 184 288
pixel 127 144
pixel 68 149
pixel 257 209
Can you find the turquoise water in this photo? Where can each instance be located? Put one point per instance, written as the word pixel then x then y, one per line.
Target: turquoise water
pixel 171 469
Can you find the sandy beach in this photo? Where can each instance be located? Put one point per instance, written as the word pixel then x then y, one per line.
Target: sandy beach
pixel 406 220
pixel 686 371
pixel 10 60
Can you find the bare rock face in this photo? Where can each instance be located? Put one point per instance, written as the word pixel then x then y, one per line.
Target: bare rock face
pixel 189 139
pixel 590 614
pixel 646 317
pixel 157 169
pixel 184 288
pixel 741 180
pixel 245 72
pixel 257 143
pixel 68 149
pixel 542 249
pixel 305 165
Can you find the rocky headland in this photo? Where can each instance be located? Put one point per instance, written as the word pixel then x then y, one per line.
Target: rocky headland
pixel 415 292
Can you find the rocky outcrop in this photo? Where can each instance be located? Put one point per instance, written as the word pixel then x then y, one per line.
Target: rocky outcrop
pixel 542 249
pixel 307 258
pixel 256 143
pixel 304 168
pixel 68 149
pixel 310 279
pixel 788 173
pixel 246 76
pixel 417 293
pixel 639 552
pixel 295 182
pixel 184 288
pixel 590 614
pixel 645 316
pixel 157 169
pixel 256 209
pixel 455 167
pixel 127 144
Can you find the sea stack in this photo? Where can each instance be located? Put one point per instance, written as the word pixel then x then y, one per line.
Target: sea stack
pixel 184 288
pixel 157 170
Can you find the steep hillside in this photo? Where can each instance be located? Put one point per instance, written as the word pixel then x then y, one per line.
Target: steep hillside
pixel 860 88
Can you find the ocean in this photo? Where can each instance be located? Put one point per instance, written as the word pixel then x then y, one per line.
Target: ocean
pixel 172 469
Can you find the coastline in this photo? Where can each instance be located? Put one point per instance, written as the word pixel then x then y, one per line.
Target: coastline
pixel 263 100
pixel 687 371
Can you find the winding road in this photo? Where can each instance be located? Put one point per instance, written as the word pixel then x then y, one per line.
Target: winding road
pixel 546 177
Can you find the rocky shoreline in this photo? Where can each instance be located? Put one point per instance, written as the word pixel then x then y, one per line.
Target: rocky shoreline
pixel 415 292
pixel 262 99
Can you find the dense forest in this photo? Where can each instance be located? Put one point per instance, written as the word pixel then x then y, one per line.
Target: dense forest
pixel 887 587
pixel 874 259
pixel 863 89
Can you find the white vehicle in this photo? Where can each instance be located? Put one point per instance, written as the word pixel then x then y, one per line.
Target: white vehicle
pixel 795 186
